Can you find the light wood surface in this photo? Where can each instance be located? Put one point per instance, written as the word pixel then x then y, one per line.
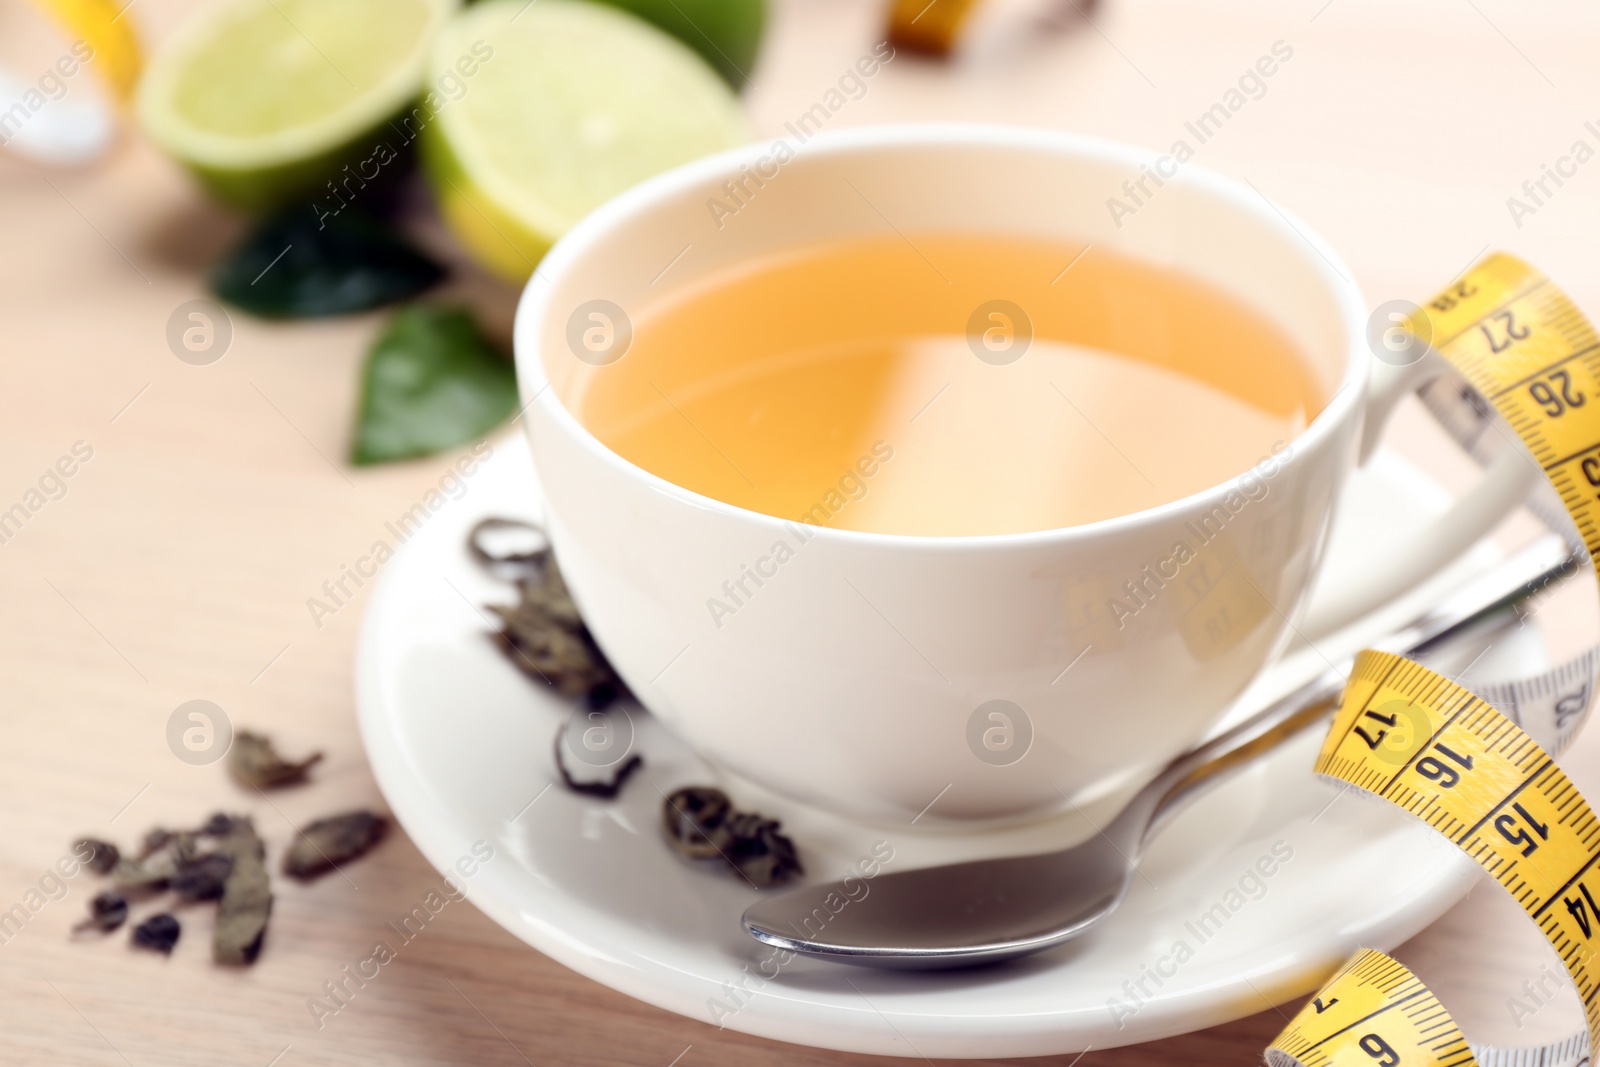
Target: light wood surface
pixel 178 563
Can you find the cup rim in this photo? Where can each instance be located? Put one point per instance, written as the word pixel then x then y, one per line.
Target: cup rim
pixel 536 390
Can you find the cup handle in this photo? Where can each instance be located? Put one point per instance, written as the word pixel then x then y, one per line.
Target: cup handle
pixel 1505 484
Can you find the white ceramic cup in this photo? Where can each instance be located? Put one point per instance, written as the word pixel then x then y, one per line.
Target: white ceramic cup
pixel 872 673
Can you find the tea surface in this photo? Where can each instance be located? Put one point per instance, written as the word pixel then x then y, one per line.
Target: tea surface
pixel 874 384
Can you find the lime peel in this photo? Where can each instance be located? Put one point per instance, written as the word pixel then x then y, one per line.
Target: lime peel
pixel 262 98
pixel 582 102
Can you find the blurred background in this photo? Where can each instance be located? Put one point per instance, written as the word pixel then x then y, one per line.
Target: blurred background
pixel 234 444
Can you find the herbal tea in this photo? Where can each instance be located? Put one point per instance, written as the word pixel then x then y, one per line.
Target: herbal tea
pixel 944 384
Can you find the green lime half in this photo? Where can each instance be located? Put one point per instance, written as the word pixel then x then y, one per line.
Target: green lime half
pixel 726 33
pixel 576 103
pixel 265 98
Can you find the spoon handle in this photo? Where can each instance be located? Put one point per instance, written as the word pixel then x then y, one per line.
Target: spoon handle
pixel 1482 600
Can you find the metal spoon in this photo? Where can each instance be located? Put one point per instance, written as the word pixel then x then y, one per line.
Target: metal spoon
pixel 988 910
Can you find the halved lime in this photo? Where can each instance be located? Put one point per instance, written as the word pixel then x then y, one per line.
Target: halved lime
pixel 577 103
pixel 265 98
pixel 726 33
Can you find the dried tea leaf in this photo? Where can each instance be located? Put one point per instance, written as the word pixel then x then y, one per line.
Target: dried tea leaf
pixel 550 650
pixel 218 825
pixel 143 876
pixel 531 555
pixel 246 897
pixel 184 845
pixel 154 841
pixel 604 788
pixel 107 911
pixel 764 856
pixel 694 818
pixel 103 855
pixel 159 932
pixel 254 762
pixel 202 877
pixel 550 597
pixel 701 823
pixel 326 843
pixel 542 633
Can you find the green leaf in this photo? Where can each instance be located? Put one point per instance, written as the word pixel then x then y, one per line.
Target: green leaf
pixel 296 265
pixel 431 382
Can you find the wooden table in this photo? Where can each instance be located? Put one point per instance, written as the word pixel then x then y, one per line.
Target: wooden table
pixel 178 562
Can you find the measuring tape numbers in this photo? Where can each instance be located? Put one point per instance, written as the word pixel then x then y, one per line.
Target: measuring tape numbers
pixel 1471 764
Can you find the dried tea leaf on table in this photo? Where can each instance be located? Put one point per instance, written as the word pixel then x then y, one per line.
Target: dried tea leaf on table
pixel 147 875
pixel 326 843
pixel 246 898
pixel 107 911
pixel 103 855
pixel 159 932
pixel 255 762
pixel 218 825
pixel 202 878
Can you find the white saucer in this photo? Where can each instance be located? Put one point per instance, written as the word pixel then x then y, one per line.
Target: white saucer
pixel 460 743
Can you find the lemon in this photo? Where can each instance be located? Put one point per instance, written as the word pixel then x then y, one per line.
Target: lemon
pixel 577 103
pixel 264 99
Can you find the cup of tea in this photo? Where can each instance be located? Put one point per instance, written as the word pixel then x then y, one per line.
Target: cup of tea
pixel 949 462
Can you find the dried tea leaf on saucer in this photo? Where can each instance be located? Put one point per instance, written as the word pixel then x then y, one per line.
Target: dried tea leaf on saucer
pixel 159 932
pixel 326 843
pixel 255 762
pixel 544 635
pixel 695 818
pixel 550 652
pixel 103 855
pixel 246 897
pixel 759 852
pixel 551 597
pixel 604 788
pixel 107 911
pixel 526 546
pixel 701 823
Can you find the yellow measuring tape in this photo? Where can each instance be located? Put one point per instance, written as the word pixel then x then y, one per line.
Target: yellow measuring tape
pixel 1437 751
pixel 54 112
pixel 928 26
pixel 105 27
